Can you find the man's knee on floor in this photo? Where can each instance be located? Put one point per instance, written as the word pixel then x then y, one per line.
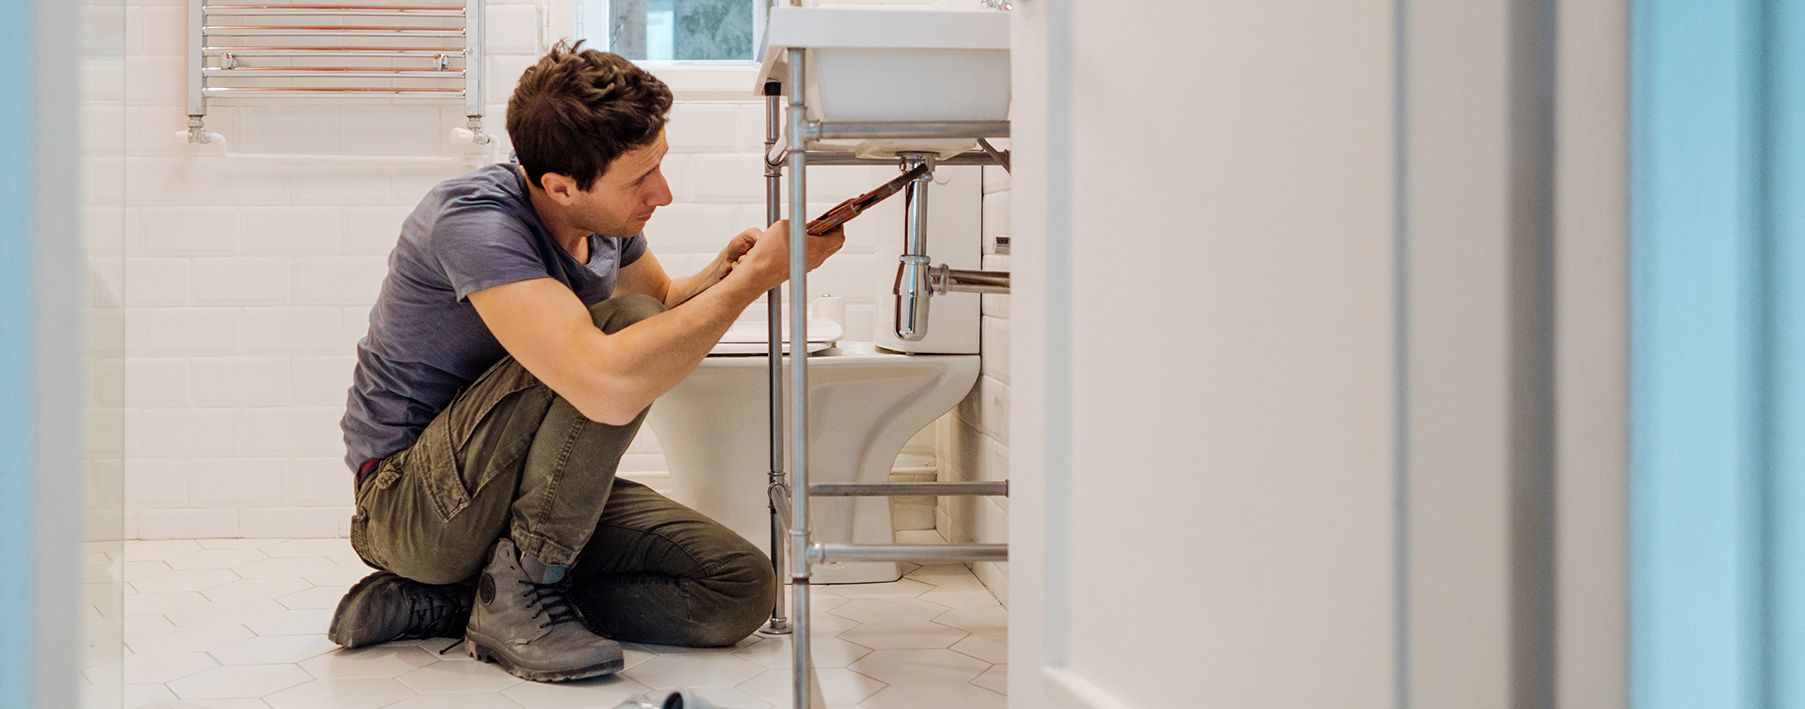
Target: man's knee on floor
pixel 748 580
pixel 620 311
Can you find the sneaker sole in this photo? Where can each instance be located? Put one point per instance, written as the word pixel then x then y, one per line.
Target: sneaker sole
pixel 482 653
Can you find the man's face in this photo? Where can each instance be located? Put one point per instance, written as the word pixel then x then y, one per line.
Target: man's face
pixel 633 186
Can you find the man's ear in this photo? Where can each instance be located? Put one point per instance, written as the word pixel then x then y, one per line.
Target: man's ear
pixel 561 188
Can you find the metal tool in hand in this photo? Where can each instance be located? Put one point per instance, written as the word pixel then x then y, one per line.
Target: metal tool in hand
pixel 845 211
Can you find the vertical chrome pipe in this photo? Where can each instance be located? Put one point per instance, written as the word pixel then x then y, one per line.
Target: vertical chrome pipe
pixel 197 60
pixel 474 22
pixel 801 678
pixel 779 623
pixel 911 288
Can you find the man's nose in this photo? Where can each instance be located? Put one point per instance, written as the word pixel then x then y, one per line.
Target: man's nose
pixel 661 192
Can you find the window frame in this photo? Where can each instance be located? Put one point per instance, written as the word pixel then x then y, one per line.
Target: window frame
pixel 689 80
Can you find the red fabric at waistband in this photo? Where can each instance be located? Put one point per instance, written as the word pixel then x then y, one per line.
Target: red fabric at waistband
pixel 365 469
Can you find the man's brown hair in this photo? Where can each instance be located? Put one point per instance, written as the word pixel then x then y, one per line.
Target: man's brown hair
pixel 579 109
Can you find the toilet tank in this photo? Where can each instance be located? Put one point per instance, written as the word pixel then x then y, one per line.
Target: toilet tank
pixel 955 238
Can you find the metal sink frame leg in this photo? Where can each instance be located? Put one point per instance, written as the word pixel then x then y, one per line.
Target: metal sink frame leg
pixel 789 498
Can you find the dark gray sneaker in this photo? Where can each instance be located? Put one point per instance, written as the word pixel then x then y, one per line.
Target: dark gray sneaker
pixel 523 622
pixel 384 607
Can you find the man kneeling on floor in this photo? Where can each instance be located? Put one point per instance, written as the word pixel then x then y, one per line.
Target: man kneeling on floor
pixel 522 331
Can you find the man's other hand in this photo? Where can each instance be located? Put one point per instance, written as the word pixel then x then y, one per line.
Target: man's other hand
pixel 768 259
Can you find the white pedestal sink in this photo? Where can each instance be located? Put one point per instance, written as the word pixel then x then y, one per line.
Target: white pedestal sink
pixel 869 64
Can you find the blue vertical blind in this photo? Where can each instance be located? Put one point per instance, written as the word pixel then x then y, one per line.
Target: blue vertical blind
pixel 16 355
pixel 1718 354
pixel 17 208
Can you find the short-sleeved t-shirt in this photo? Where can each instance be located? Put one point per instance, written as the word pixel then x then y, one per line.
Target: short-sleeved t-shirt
pixel 426 342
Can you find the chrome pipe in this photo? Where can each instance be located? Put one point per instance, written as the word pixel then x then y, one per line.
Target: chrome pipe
pixel 197 98
pixel 911 288
pixel 332 72
pixel 944 280
pixel 420 52
pixel 803 666
pixel 322 92
pixel 832 130
pixel 334 10
pixel 910 552
pixel 326 31
pixel 780 497
pixel 1001 158
pixel 982 487
pixel 473 43
pixel 826 157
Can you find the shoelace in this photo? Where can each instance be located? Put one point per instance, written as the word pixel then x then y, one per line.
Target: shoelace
pixel 552 602
pixel 427 612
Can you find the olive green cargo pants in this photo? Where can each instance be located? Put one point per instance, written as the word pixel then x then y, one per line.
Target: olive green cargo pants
pixel 511 457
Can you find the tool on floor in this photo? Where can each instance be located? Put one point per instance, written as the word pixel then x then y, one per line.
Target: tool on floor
pixel 680 699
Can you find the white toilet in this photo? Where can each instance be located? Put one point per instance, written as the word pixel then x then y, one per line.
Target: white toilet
pixel 865 402
pixel 863 406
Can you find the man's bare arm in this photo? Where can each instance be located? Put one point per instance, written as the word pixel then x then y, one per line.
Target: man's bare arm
pixel 647 275
pixel 611 378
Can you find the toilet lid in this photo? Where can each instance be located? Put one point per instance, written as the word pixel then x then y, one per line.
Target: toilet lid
pixel 753 337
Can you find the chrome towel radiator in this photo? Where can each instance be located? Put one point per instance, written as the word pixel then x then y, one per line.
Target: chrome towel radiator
pixel 251 50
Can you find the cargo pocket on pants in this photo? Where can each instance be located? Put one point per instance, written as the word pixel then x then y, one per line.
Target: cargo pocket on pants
pixel 434 459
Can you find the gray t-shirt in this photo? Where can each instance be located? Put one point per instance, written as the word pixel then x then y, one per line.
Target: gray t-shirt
pixel 426 342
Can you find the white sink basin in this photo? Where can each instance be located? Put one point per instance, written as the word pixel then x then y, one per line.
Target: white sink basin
pixel 868 64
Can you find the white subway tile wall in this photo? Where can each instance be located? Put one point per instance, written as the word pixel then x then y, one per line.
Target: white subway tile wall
pixel 974 439
pixel 249 280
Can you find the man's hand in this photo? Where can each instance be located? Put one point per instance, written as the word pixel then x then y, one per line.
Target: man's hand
pixel 736 248
pixel 767 260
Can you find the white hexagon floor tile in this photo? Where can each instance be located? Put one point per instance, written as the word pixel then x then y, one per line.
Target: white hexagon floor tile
pixel 825 652
pixel 161 603
pixel 199 638
pixel 694 671
pixel 267 602
pixel 919 666
pixel 155 668
pixel 340 693
pixel 989 646
pixel 159 550
pixel 953 577
pixel 472 700
pixel 314 598
pixel 286 566
pixel 458 677
pixel 902 588
pixel 215 559
pixel 185 580
pixel 379 662
pixel 840 687
pixel 241 681
pixel 336 576
pixel 234 611
pixel 287 622
pixel 995 679
pixel 307 547
pixel 272 650
pixel 976 619
pixel 890 610
pixel 949 694
pixel 594 693
pixel 147 695
pixel 136 570
pixel 725 697
pixel 262 589
pixel 904 636
pixel 235 543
